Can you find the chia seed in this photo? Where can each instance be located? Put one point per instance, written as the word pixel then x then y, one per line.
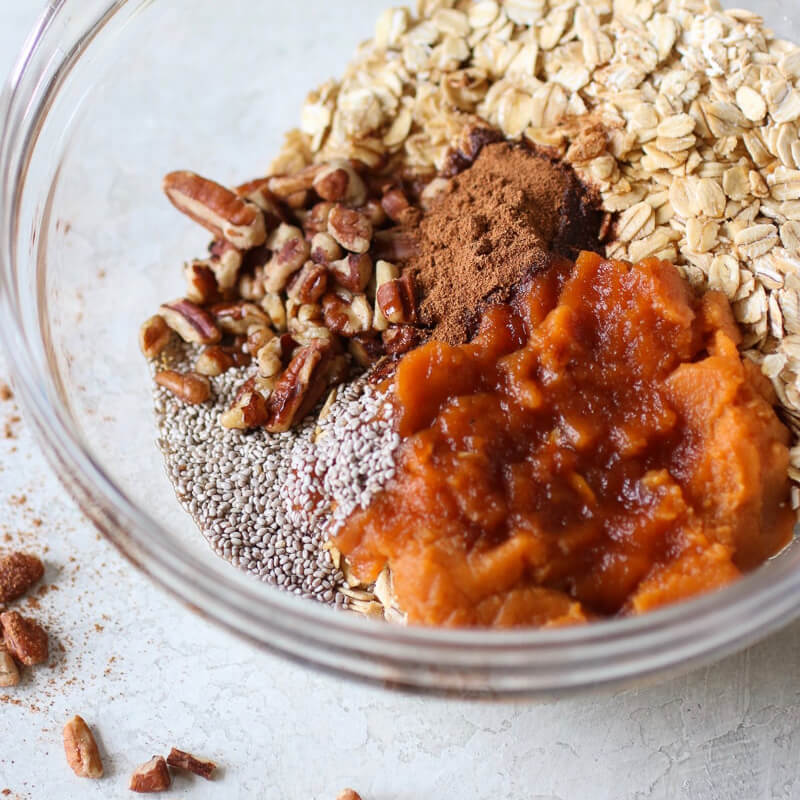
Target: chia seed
pixel 268 502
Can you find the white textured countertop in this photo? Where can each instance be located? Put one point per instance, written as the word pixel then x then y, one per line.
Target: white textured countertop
pixel 147 675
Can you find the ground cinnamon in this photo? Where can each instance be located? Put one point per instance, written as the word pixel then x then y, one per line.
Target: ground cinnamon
pixel 495 224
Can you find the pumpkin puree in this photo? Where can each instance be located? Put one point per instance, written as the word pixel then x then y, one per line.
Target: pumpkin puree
pixel 599 448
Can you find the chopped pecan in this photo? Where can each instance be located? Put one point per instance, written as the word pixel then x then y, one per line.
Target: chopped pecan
pixel 81 749
pixel 299 201
pixel 154 336
pixel 289 252
pixel 274 306
pixel 398 209
pixel 316 221
pixel 257 337
pixel 258 192
pixel 397 301
pixel 373 210
pixel 215 360
pixel 385 271
pixel 350 228
pixel 189 387
pixel 300 315
pixel 151 777
pixel 9 671
pixel 249 409
pixel 324 248
pixel 199 766
pixel 18 572
pixel 400 339
pixel 309 284
pixel 395 244
pixel 201 283
pixel 353 272
pixel 432 192
pixel 24 638
pixel 347 314
pixel 340 183
pixel 366 348
pixel 216 208
pixel 270 358
pixel 310 372
pixel 190 322
pixel 225 262
pixel 239 317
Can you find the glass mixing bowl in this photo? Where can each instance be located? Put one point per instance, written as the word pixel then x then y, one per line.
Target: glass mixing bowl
pixel 105 99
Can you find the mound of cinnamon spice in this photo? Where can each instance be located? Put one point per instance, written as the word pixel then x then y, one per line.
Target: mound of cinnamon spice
pixel 495 225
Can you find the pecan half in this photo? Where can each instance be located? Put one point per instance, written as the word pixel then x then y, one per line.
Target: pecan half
pixel 397 301
pixel 9 671
pixel 151 777
pixel 310 372
pixel 154 336
pixel 201 283
pixel 215 360
pixel 347 314
pixel 239 317
pixel 216 208
pixel 350 228
pixel 192 389
pixel 400 339
pixel 190 322
pixel 18 572
pixel 309 284
pixel 81 749
pixel 353 272
pixel 24 638
pixel 324 248
pixel 199 766
pixel 289 252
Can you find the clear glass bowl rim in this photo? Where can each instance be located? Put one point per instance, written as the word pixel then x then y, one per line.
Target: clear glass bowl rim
pixel 476 662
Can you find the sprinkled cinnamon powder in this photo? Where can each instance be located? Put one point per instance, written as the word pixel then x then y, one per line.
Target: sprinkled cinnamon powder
pixel 494 225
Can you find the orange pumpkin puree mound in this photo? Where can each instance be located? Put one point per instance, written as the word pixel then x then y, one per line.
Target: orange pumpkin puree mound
pixel 599 448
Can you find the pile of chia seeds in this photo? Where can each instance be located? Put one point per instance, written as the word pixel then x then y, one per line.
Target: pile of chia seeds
pixel 267 502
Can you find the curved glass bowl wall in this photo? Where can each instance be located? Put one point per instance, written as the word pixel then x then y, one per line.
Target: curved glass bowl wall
pixel 108 97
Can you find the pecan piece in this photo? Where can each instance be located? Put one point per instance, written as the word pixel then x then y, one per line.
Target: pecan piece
pixel 473 140
pixel 385 271
pixel 432 192
pixel 154 336
pixel 270 358
pixel 192 389
pixel 274 306
pixel 151 777
pixel 289 252
pixel 81 749
pixel 9 671
pixel 374 212
pixel 398 209
pixel 400 339
pixel 284 186
pixel 353 272
pixel 24 638
pixel 316 221
pixel 366 348
pixel 215 360
pixel 225 262
pixel 249 409
pixel 324 248
pixel 18 572
pixel 258 192
pixel 309 284
pixel 238 318
pixel 347 314
pixel 348 794
pixel 258 337
pixel 201 283
pixel 395 244
pixel 310 372
pixel 216 208
pixel 397 301
pixel 199 766
pixel 350 228
pixel 190 322
pixel 337 181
